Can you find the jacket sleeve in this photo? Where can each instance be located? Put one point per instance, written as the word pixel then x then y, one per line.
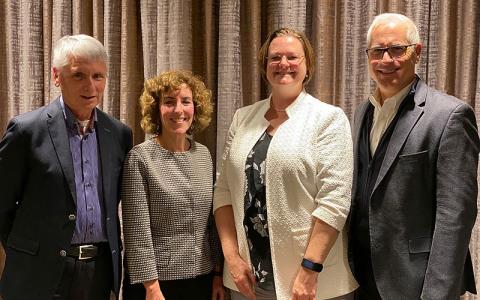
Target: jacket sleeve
pixel 221 194
pixel 456 205
pixel 333 152
pixel 139 249
pixel 13 174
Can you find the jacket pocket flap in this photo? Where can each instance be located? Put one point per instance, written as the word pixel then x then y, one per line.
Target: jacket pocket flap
pixel 413 156
pixel 420 245
pixel 21 244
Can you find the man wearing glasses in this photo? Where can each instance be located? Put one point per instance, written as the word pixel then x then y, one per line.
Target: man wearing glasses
pixel 415 179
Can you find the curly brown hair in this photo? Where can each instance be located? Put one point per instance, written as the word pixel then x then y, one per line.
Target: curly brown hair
pixel 156 87
pixel 307 48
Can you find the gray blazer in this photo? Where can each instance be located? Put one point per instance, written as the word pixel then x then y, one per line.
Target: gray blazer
pixel 38 198
pixel 424 203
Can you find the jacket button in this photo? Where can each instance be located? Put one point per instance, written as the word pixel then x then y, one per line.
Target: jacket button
pixel 63 253
pixel 72 217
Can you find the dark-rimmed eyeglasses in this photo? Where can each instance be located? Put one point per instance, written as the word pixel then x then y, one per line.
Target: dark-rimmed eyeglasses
pixel 395 51
pixel 291 59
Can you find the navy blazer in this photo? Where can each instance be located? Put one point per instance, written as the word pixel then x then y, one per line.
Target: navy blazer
pixel 38 198
pixel 424 202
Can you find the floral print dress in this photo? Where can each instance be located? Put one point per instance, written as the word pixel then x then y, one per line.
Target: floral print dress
pixel 255 221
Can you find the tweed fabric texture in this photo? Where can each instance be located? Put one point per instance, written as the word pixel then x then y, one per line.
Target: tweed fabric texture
pixel 308 175
pixel 166 204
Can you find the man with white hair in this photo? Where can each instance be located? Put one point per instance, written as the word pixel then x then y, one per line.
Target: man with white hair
pixel 415 180
pixel 60 169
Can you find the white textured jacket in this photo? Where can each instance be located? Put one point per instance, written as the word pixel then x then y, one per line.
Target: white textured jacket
pixel 308 174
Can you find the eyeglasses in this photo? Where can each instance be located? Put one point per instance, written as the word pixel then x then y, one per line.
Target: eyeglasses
pixel 291 59
pixel 396 51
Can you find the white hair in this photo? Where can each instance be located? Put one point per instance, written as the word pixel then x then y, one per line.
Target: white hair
pixel 413 36
pixel 80 45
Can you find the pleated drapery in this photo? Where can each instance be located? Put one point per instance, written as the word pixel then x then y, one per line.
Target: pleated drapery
pixel 219 39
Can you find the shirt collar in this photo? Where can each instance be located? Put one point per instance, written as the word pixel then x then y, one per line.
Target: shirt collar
pixel 394 101
pixel 70 118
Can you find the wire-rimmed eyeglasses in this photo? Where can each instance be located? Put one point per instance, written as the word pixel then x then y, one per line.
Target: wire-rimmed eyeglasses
pixel 395 51
pixel 292 59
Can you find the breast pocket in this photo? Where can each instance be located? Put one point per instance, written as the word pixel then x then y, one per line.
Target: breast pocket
pixel 413 157
pixel 411 169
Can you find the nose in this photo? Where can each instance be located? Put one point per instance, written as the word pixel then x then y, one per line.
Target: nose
pixel 178 108
pixel 284 61
pixel 389 57
pixel 89 84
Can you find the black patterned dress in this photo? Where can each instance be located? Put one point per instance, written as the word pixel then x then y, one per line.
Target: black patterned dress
pixel 255 220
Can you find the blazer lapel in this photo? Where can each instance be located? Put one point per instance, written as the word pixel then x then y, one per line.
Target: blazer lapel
pixel 357 125
pixel 58 133
pixel 407 120
pixel 256 124
pixel 104 143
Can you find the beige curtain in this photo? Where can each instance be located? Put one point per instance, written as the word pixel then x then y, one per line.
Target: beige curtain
pixel 218 39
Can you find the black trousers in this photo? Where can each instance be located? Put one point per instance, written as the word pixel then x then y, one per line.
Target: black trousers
pixel 364 272
pixel 198 288
pixel 86 279
pixel 363 294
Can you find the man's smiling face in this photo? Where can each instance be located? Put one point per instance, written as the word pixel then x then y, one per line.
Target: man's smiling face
pixel 392 75
pixel 82 83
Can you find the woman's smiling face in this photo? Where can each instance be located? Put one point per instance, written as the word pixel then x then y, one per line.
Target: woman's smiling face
pixel 286 62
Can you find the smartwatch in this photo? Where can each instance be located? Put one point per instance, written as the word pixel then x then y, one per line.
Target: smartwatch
pixel 306 263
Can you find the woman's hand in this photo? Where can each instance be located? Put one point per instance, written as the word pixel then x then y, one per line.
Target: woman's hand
pixel 239 269
pixel 218 292
pixel 152 289
pixel 242 276
pixel 305 285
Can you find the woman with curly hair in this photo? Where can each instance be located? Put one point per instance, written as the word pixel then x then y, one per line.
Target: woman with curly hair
pixel 171 246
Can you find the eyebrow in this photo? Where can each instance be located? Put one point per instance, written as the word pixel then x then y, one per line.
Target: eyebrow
pixel 285 53
pixel 389 45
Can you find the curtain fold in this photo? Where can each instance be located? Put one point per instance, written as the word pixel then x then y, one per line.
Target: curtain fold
pixel 204 62
pixel 229 84
pixel 112 36
pixel 131 69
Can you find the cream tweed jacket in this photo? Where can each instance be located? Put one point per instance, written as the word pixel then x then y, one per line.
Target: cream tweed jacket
pixel 308 175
